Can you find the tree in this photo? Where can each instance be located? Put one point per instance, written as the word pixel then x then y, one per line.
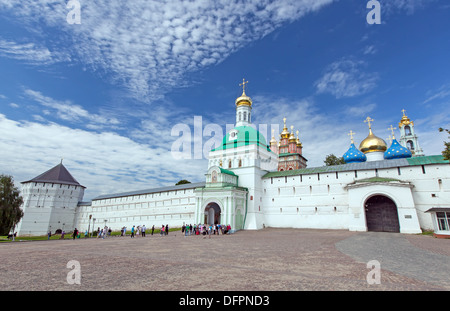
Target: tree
pixel 446 152
pixel 331 159
pixel 182 182
pixel 10 202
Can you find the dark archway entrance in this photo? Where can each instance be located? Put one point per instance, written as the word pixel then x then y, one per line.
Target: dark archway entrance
pixel 381 214
pixel 212 214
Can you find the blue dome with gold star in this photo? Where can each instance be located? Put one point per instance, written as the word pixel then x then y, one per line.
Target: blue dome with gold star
pixel 354 155
pixel 397 151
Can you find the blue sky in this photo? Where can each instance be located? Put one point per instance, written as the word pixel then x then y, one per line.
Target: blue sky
pixel 106 94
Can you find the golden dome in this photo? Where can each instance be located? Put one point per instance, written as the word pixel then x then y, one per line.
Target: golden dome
pixel 291 136
pixel 299 144
pixel 243 100
pixel 372 143
pixel 285 133
pixel 273 140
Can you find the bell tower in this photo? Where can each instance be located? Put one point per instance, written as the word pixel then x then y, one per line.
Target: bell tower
pixel 408 137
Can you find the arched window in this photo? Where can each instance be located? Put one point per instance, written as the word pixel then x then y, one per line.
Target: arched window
pixel 407 130
pixel 245 115
pixel 240 163
pixel 410 145
pixel 249 119
pixel 229 163
pixel 240 116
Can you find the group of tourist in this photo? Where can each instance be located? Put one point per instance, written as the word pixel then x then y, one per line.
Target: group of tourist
pixel 187 230
pixel 204 229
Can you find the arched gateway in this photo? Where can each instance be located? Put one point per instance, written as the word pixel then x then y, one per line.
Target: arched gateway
pixel 381 214
pixel 212 214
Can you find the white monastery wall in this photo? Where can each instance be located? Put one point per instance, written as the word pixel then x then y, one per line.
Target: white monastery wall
pixel 174 208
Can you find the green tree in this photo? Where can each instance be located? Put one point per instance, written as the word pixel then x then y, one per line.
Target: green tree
pixel 10 202
pixel 182 182
pixel 331 159
pixel 446 152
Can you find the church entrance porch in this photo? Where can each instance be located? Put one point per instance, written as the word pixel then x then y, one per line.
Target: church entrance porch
pixel 212 214
pixel 381 214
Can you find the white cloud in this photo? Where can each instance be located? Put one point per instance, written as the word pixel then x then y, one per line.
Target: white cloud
pixel 68 111
pixel 31 53
pixel 103 162
pixel 149 46
pixel 346 78
pixel 441 93
pixel 361 110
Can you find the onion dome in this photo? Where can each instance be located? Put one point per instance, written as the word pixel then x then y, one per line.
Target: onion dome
pixel 285 133
pixel 273 140
pixel 292 138
pixel 354 155
pixel 372 143
pixel 397 151
pixel 299 144
pixel 243 99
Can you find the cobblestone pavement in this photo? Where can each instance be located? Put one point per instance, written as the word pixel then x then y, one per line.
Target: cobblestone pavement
pixel 266 260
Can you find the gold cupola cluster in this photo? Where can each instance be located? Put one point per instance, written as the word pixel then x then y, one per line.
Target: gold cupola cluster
pixel 289 149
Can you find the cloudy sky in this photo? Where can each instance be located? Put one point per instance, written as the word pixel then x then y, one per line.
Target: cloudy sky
pixel 109 95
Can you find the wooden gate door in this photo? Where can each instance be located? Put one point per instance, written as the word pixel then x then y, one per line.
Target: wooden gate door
pixel 382 215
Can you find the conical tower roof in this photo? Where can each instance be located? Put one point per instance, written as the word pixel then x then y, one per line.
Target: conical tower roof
pixel 58 175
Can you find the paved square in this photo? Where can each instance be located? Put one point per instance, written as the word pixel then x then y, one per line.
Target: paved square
pixel 270 260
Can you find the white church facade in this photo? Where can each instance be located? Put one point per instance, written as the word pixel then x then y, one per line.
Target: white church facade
pixel 251 184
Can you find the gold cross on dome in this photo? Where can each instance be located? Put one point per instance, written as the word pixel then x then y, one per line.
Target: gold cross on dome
pixel 369 122
pixel 403 110
pixel 390 139
pixel 392 131
pixel 243 85
pixel 351 135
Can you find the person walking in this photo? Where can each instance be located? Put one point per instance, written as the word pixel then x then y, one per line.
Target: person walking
pixel 161 233
pixel 167 230
pixel 132 232
pixel 143 231
pixel 75 233
pixel 153 229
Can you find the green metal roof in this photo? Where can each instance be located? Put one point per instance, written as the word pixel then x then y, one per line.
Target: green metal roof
pixel 222 170
pixel 434 159
pixel 246 135
pixel 437 159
